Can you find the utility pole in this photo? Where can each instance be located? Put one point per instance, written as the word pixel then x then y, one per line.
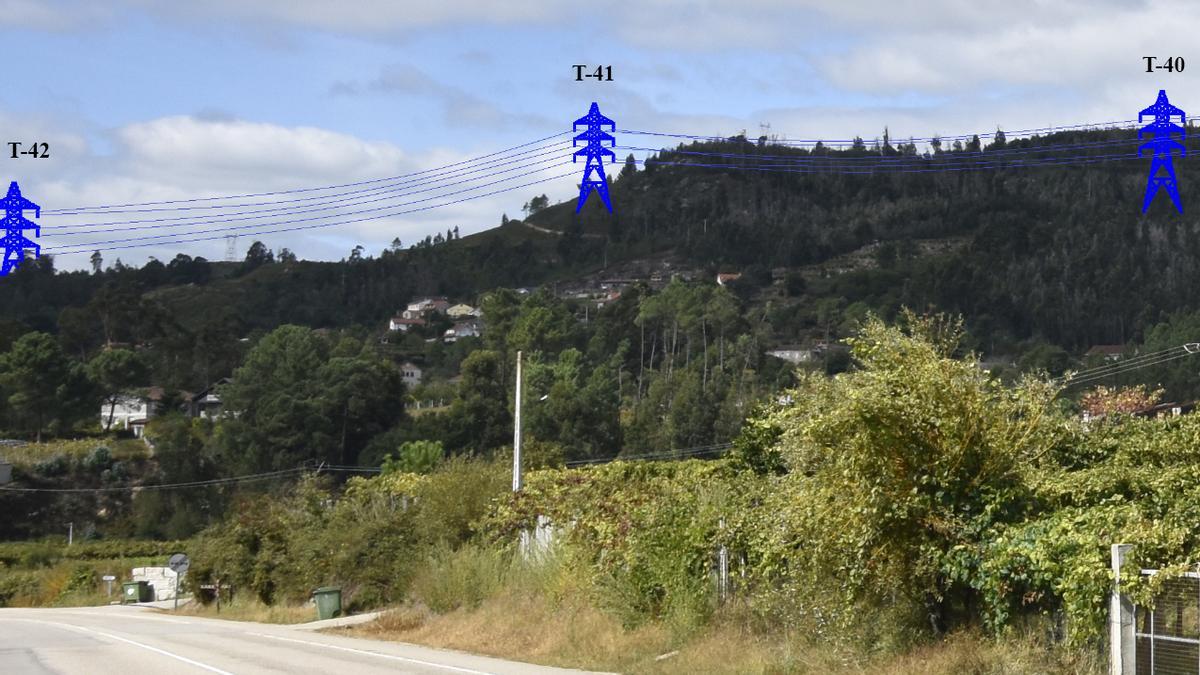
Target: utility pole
pixel 70 533
pixel 516 484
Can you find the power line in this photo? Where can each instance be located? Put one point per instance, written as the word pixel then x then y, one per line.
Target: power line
pixel 182 238
pixel 663 455
pixel 434 179
pixel 299 190
pixel 546 163
pixel 1166 358
pixel 811 157
pixel 1117 124
pixel 167 486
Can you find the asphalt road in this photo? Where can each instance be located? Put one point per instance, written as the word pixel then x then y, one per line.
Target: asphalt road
pixel 118 640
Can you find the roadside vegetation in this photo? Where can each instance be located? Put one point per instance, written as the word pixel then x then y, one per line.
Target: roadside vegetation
pixel 914 514
pixel 49 573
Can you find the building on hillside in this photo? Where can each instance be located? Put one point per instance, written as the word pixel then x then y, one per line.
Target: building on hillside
pixel 132 411
pixel 461 311
pixel 723 279
pixel 424 307
pixel 1107 352
pixel 1171 409
pixel 207 403
pixel 410 373
pixel 795 355
pixel 402 324
pixel 461 329
pixel 608 298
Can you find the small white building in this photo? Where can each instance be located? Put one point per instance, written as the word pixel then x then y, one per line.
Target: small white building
pixel 403 323
pixel 410 373
pixel 461 329
pixel 794 354
pixel 461 311
pixel 132 410
pixel 161 579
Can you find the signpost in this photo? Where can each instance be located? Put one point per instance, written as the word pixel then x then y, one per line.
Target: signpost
pixel 108 579
pixel 179 565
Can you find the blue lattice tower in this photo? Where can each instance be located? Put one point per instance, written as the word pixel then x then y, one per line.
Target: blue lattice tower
pixel 1162 169
pixel 15 224
pixel 594 137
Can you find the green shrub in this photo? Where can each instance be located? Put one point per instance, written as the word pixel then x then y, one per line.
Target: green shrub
pixel 462 578
pixel 451 501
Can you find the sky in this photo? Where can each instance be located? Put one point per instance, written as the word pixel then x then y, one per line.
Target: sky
pixel 144 101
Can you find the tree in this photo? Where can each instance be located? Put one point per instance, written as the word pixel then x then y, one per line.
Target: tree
pixel 115 371
pixel 795 284
pixel 276 398
pixel 295 402
pixel 97 262
pixel 629 169
pixel 286 255
pixel 479 419
pixel 414 457
pixel 257 255
pixel 898 469
pixel 1103 401
pixel 360 399
pixel 536 204
pixel 42 387
pixel 998 141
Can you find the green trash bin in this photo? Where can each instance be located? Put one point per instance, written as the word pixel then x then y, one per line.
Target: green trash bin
pixel 329 602
pixel 136 591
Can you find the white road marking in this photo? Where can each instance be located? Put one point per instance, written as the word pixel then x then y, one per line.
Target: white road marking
pixel 370 653
pixel 156 650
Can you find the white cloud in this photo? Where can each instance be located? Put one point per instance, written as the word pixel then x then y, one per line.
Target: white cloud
pixel 183 157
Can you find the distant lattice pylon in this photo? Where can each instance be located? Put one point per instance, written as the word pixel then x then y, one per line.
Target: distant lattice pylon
pixel 15 224
pixel 594 151
pixel 1162 169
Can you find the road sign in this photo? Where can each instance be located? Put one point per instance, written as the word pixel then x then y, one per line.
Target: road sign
pixel 178 563
pixel 108 577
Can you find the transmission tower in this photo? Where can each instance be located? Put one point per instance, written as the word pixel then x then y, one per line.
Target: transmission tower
pixel 595 151
pixel 15 224
pixel 1161 130
pixel 231 248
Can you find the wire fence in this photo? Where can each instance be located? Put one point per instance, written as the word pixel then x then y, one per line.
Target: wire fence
pixel 1167 634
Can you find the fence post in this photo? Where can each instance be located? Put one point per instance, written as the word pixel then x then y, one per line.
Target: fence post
pixel 1120 619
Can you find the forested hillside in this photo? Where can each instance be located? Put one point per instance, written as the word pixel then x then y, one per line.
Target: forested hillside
pixel 1041 261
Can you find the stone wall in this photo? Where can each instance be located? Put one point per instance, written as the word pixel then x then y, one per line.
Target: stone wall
pixel 162 579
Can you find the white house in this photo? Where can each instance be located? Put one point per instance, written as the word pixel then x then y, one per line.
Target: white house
pixel 410 373
pixel 794 354
pixel 402 323
pixel 132 410
pixel 424 306
pixel 461 329
pixel 461 311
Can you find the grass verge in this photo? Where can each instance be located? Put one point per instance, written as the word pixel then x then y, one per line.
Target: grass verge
pixel 250 609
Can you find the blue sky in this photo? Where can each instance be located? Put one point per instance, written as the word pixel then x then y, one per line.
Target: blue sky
pixel 145 100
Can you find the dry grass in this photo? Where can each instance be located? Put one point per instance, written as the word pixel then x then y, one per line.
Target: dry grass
pixel 573 634
pixel 74 450
pixel 251 609
pixel 527 629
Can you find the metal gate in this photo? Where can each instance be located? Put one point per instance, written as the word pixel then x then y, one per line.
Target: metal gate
pixel 1167 635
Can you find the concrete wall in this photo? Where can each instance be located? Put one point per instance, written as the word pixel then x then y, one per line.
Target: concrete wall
pixel 161 578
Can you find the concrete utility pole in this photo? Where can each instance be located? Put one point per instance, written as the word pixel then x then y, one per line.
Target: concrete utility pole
pixel 516 485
